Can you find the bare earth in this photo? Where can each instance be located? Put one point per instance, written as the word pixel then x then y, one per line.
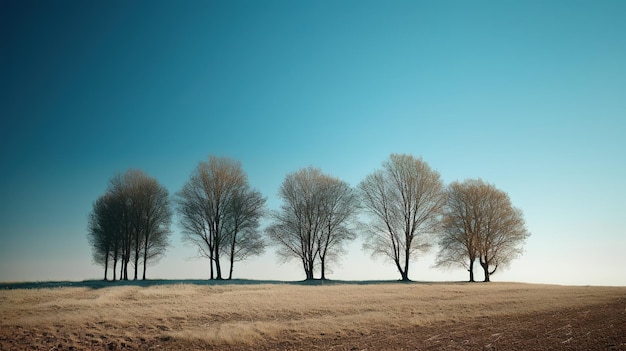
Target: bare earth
pixel 419 316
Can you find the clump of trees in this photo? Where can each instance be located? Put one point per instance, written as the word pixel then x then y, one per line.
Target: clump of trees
pixel 130 224
pixel 479 221
pixel 407 207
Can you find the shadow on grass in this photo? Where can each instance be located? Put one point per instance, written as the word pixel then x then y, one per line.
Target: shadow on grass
pixel 98 284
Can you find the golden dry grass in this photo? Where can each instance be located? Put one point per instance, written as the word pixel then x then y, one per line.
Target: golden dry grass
pixel 187 314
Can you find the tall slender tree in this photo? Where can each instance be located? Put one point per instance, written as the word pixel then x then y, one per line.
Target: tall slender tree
pixel 404 200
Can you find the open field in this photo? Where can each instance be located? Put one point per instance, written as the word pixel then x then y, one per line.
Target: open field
pixel 417 316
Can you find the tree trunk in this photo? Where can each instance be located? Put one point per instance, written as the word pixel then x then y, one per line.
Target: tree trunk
pixel 137 251
pixel 145 251
pixel 211 276
pixel 305 267
pixel 311 265
pixel 485 264
pixel 106 266
pixel 405 275
pixel 487 279
pixel 126 261
pixel 308 268
pixel 232 262
pixel 471 271
pixel 218 269
pixel 211 268
pixel 397 262
pixel 217 240
pixel 127 247
pixel 122 268
pixel 127 257
pixel 323 268
pixel 114 267
pixel 211 259
pixel 232 254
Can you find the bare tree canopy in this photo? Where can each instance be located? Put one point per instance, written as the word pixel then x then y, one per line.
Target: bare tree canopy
pixel 313 222
pixel 480 222
pixel 220 213
pixel 404 200
pixel 130 223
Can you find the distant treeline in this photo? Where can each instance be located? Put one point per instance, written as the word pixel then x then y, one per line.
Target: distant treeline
pixel 408 209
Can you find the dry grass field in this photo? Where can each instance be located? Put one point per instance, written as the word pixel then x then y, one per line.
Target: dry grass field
pixel 418 316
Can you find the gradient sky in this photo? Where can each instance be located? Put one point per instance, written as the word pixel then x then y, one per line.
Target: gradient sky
pixel 529 96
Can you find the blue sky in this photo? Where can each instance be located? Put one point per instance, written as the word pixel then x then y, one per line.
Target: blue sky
pixel 529 96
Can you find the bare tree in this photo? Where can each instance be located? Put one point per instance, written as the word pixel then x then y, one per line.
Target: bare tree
pixel 297 224
pixel 313 221
pixel 207 204
pixel 404 200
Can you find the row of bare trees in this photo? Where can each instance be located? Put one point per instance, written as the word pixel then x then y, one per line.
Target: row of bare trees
pixel 408 211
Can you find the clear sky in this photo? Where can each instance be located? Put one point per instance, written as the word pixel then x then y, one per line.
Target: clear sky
pixel 527 95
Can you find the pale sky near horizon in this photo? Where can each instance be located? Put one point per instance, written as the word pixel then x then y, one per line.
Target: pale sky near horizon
pixel 529 96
